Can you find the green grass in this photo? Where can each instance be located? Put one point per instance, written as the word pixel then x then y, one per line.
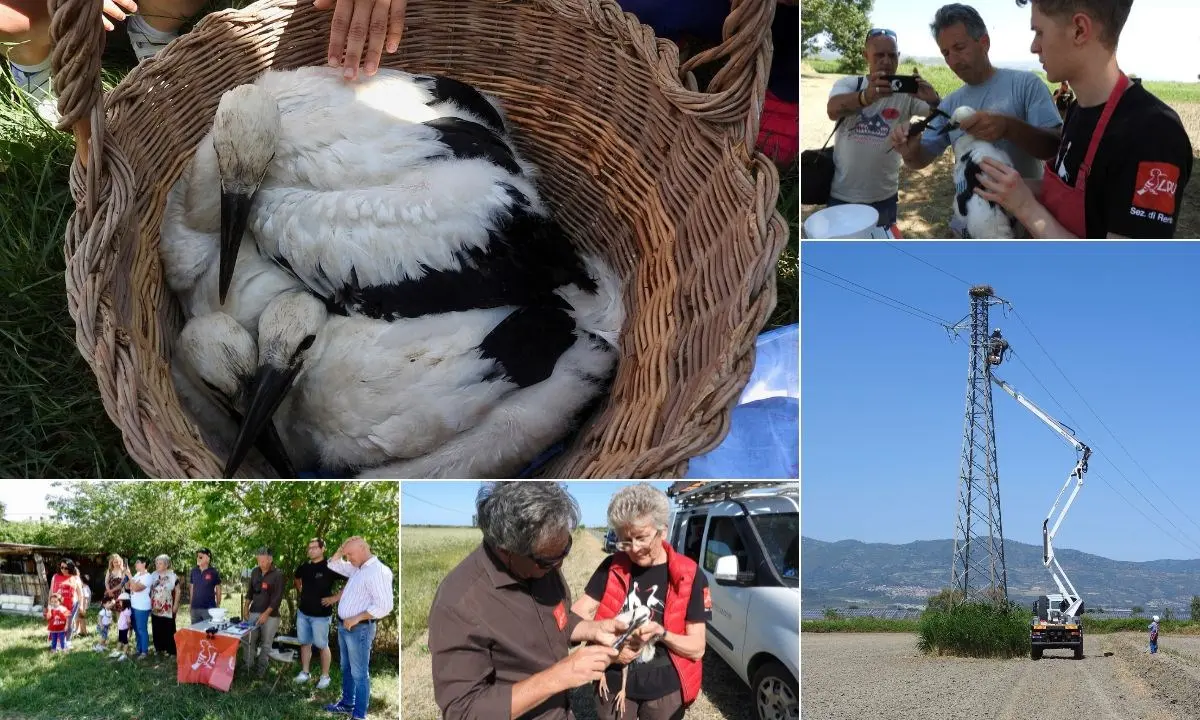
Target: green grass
pixel 787 270
pixel 974 630
pixel 84 685
pixel 944 80
pixel 429 553
pixel 859 625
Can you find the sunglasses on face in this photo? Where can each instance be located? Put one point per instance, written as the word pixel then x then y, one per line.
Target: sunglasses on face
pixel 876 32
pixel 550 563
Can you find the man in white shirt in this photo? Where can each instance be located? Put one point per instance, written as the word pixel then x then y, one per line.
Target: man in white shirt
pixel 367 597
pixel 867 172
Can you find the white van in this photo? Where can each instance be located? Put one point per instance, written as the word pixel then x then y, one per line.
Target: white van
pixel 745 536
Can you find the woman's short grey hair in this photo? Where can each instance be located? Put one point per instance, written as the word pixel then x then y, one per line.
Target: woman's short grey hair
pixel 634 503
pixel 165 558
pixel 951 15
pixel 519 515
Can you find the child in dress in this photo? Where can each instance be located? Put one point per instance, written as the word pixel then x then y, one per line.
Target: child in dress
pixel 56 623
pixel 124 623
pixel 103 623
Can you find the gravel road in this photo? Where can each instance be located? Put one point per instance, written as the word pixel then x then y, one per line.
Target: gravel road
pixel 867 676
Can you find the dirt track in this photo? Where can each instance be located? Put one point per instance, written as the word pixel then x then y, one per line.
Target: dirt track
pixel 867 676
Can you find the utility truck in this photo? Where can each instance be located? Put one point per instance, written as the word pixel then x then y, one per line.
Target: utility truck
pixel 1058 616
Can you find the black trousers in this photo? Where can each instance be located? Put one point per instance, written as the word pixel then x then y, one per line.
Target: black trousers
pixel 163 629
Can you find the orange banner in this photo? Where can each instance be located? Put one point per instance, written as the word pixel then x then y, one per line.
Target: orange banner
pixel 204 659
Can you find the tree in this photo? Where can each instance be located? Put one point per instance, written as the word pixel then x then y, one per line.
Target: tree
pixel 1196 607
pixel 845 22
pixel 1136 610
pixel 128 518
pixel 945 600
pixel 1167 614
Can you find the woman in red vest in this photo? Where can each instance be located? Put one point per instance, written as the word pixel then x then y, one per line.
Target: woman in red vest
pixel 663 681
pixel 67 586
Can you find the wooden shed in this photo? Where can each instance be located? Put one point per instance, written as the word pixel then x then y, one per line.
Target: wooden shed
pixel 25 572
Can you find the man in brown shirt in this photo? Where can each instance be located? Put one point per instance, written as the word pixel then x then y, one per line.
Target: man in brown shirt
pixel 500 628
pixel 263 594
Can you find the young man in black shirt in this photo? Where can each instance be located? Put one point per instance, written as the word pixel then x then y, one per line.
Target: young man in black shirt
pixel 314 582
pixel 1124 158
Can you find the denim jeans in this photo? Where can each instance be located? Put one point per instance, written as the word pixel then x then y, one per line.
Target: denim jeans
pixel 354 645
pixel 70 631
pixel 140 620
pixel 887 208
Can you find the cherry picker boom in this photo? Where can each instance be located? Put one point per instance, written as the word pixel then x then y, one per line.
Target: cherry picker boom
pixel 1057 624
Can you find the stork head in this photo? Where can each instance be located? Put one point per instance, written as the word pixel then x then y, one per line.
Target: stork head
pixel 287 329
pixel 221 354
pixel 245 134
pixel 961 113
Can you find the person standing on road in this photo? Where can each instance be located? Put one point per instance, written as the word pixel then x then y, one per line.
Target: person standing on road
pixel 1154 635
pixel 500 631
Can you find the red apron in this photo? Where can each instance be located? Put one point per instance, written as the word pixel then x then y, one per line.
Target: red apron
pixel 1064 202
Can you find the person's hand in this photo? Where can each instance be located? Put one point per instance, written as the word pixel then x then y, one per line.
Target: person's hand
pixel 876 87
pixel 350 623
pixel 262 618
pixel 649 631
pixel 1004 185
pixel 902 143
pixel 118 10
pixel 329 601
pixel 361 31
pixel 628 654
pixel 986 125
pixel 926 92
pixel 584 665
pixel 606 631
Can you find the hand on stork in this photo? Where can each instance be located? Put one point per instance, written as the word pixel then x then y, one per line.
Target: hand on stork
pixel 361 31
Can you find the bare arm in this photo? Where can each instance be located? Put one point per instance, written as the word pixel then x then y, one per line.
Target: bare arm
pixel 843 105
pixel 586 607
pixel 690 644
pixel 1042 144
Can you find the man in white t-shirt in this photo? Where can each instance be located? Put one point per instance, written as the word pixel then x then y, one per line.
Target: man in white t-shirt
pixel 867 172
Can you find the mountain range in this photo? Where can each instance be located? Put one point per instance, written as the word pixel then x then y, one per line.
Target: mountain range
pixel 834 574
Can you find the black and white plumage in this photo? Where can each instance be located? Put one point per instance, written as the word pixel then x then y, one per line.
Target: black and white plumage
pixel 982 218
pixel 416 310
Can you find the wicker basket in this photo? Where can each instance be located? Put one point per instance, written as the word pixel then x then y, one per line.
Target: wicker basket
pixel 661 179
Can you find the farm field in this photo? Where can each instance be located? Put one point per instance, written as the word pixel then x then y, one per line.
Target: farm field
pixel 429 553
pixel 926 194
pixel 863 676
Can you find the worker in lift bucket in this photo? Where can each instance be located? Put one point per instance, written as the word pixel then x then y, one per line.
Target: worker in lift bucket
pixel 996 347
pixel 1154 636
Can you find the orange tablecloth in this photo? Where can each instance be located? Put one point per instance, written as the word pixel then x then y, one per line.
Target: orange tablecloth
pixel 208 660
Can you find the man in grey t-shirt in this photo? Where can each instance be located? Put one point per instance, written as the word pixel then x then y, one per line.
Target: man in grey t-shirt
pixel 1018 111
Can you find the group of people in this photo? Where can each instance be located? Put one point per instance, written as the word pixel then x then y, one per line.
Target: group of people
pixel 1113 163
pixel 503 622
pixel 147 604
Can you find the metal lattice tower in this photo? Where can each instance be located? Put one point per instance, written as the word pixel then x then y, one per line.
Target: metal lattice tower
pixel 978 572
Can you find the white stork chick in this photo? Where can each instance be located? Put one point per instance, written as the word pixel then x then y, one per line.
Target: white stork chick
pixel 214 352
pixel 389 201
pixel 637 613
pixel 477 393
pixel 984 219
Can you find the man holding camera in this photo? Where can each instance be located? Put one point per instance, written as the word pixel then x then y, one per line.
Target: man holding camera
pixel 1014 108
pixel 867 108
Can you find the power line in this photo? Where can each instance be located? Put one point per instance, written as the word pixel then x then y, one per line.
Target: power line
pixel 926 262
pixel 1100 451
pixel 443 507
pixel 923 314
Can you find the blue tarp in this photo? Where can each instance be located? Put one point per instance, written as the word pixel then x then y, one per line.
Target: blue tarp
pixel 764 431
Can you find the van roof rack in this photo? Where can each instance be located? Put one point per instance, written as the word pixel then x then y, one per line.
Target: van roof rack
pixel 691 493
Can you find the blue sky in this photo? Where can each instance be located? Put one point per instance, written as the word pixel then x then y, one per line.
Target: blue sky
pixel 453 502
pixel 1152 45
pixel 883 392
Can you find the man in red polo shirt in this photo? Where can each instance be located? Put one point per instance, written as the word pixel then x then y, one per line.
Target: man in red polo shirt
pixel 1124 158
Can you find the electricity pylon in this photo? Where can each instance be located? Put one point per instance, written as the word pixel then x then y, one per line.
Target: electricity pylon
pixel 978 572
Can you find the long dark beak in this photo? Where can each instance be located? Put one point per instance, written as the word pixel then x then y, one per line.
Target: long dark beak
pixel 235 216
pixel 271 385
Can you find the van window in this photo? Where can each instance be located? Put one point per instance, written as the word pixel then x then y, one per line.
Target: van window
pixel 723 539
pixel 780 533
pixel 691 537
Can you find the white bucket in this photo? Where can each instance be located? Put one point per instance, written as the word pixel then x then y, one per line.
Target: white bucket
pixel 842 221
pixel 217 614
